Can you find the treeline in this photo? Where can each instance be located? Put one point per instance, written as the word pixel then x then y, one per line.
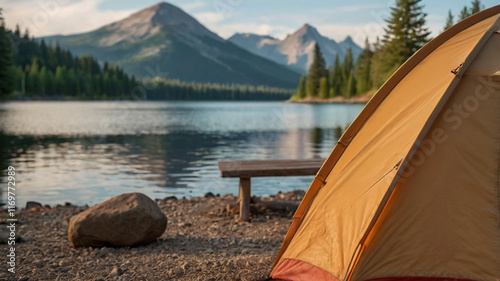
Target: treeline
pixel 404 35
pixel 347 79
pixel 41 70
pixel 162 89
pixel 466 12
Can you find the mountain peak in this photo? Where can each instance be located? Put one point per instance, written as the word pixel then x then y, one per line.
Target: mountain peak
pixel 164 13
pixel 348 40
pixel 150 21
pixel 307 30
pixel 162 5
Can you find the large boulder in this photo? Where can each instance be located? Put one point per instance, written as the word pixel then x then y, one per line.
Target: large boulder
pixel 129 219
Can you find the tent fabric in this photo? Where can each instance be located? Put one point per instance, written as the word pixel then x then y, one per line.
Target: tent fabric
pixel 416 279
pixel 447 221
pixel 290 269
pixel 412 188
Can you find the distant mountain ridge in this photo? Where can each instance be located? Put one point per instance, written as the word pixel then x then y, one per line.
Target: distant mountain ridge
pixel 296 50
pixel 165 39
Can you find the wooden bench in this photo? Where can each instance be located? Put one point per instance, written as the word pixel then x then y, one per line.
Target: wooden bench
pixel 245 170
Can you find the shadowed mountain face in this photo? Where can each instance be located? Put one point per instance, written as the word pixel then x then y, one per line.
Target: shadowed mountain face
pixel 163 40
pixel 296 50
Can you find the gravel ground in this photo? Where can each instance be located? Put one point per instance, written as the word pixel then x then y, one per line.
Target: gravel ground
pixel 203 241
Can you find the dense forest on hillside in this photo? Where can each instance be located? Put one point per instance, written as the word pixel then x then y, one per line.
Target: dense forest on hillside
pixel 31 69
pixel 38 70
pixel 405 34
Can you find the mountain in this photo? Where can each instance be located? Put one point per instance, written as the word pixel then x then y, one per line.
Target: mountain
pixel 296 50
pixel 164 39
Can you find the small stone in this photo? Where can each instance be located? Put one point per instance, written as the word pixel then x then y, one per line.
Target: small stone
pixel 186 266
pixel 209 195
pixel 209 251
pixel 115 272
pixel 185 225
pixel 5 235
pixel 33 205
pixel 125 277
pixel 64 269
pixel 168 198
pixel 249 245
pixel 104 251
pixel 38 263
pixel 178 272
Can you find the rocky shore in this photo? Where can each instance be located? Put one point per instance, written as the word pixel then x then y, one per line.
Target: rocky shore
pixel 203 241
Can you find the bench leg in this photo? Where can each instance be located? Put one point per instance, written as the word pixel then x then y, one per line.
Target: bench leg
pixel 244 199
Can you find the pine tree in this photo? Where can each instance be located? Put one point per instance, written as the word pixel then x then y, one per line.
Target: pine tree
pixel 316 72
pixel 44 53
pixel 476 7
pixel 347 65
pixel 43 80
pixel 449 20
pixel 464 13
pixel 337 71
pixel 347 68
pixel 331 92
pixel 33 80
pixel 351 85
pixel 60 82
pixel 335 78
pixel 6 61
pixel 323 88
pixel 19 79
pixel 404 35
pixel 301 91
pixel 363 71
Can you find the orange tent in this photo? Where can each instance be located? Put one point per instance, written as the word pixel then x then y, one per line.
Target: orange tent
pixel 411 190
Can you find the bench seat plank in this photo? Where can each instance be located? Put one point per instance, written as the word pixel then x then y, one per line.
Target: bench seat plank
pixel 269 168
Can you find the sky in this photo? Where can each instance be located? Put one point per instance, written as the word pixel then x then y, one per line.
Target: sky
pixel 335 19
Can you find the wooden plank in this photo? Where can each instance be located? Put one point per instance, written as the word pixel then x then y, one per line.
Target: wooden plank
pixel 269 168
pixel 244 199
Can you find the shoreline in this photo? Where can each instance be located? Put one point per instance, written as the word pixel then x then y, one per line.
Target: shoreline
pixel 203 241
pixel 338 100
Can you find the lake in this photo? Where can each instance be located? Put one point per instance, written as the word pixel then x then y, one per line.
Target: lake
pixel 87 152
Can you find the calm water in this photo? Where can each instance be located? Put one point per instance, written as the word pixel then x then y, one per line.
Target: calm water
pixel 87 152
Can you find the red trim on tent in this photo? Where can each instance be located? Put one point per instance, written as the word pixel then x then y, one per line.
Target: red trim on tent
pixel 419 279
pixel 297 270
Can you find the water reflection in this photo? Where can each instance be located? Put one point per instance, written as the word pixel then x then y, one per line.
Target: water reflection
pixel 174 154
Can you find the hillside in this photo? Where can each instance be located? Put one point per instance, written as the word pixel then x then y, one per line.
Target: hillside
pixel 164 40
